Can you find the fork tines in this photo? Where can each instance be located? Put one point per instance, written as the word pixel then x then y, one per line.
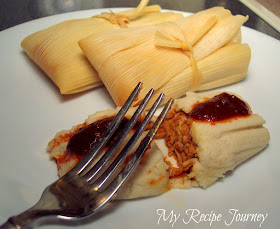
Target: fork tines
pixel 91 172
pixel 92 183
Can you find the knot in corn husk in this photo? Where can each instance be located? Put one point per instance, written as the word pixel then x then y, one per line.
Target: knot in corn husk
pixel 167 56
pixel 126 16
pixel 115 18
pixel 170 35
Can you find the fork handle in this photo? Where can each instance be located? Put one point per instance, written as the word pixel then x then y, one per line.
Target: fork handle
pixel 18 221
pixel 9 225
pixel 24 219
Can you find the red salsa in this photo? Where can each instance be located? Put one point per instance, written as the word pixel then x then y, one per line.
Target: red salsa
pixel 84 139
pixel 221 107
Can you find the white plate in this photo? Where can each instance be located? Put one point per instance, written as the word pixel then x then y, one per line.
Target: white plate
pixel 32 111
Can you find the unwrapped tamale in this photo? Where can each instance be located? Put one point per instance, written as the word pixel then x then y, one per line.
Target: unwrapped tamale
pixel 204 136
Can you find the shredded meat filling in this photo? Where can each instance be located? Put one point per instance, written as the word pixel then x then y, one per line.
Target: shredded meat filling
pixel 176 131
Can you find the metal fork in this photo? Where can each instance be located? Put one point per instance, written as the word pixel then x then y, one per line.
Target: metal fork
pixel 82 191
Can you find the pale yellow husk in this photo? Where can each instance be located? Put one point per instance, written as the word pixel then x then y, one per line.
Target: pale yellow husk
pixel 56 50
pixel 225 66
pixel 160 54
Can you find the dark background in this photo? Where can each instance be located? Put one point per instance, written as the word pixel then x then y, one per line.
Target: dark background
pixel 14 12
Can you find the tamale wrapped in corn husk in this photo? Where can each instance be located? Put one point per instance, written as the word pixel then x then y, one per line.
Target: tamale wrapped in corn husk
pixel 198 52
pixel 56 50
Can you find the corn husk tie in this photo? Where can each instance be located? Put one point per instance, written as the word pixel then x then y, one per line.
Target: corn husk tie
pixel 177 40
pixel 123 18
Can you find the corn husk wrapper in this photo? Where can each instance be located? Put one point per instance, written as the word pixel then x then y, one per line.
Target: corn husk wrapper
pixel 56 50
pixel 172 57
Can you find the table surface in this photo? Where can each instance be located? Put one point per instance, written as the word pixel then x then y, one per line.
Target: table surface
pixel 19 11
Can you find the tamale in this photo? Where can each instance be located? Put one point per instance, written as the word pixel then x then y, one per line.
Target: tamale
pixel 187 51
pixel 56 50
pixel 203 136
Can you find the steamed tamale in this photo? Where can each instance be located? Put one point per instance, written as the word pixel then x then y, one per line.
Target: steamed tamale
pixel 56 50
pixel 198 52
pixel 203 136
